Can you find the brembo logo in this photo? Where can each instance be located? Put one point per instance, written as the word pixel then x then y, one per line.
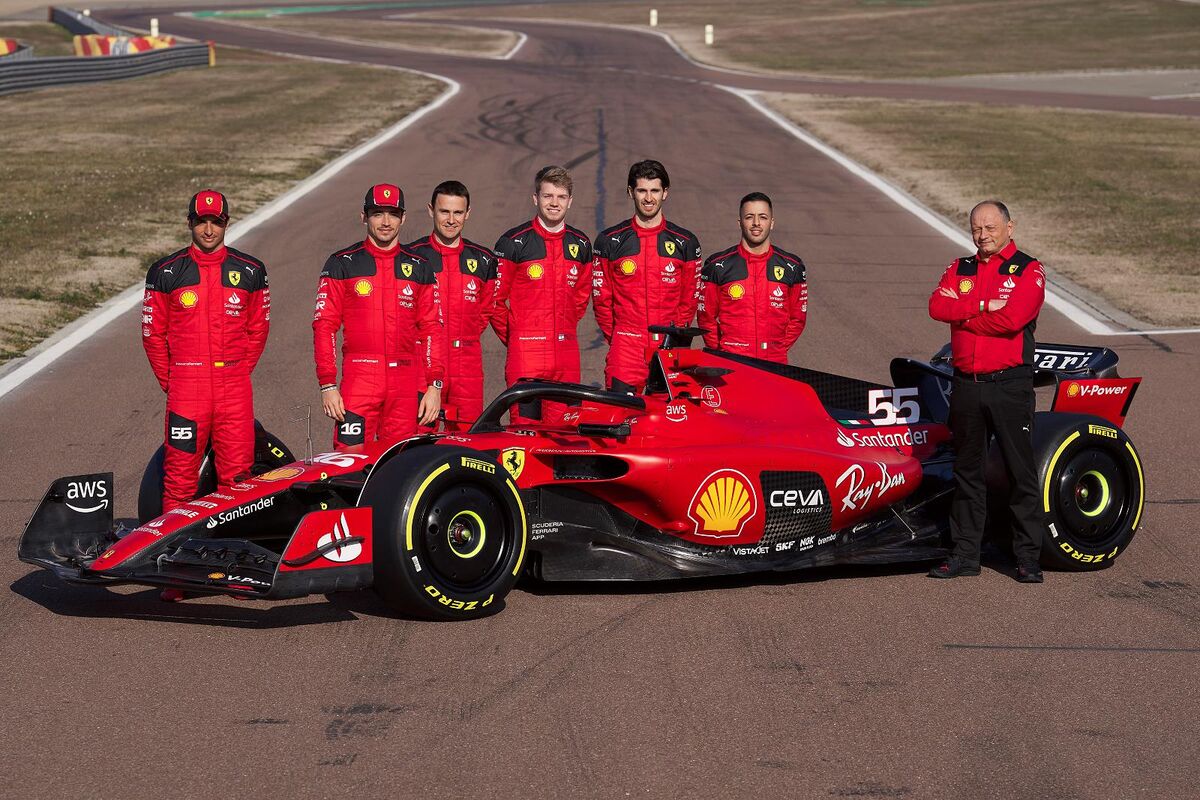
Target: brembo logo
pixel 240 511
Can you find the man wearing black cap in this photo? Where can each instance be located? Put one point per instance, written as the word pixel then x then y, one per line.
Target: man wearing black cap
pixel 385 298
pixel 205 317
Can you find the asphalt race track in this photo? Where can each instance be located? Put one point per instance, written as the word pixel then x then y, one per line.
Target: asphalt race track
pixel 839 683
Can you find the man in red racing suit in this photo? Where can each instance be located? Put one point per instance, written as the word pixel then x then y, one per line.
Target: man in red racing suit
pixel 205 317
pixel 543 293
pixel 754 296
pixel 466 279
pixel 385 297
pixel 646 272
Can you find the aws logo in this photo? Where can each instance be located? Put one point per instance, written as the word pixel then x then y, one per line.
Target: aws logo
pixel 722 505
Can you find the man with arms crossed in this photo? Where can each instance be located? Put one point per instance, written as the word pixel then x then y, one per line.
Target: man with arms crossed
pixel 543 292
pixel 992 300
pixel 205 317
pixel 754 296
pixel 385 297
pixel 646 272
pixel 466 279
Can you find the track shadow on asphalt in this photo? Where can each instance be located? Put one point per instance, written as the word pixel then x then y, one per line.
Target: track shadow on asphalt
pixel 98 602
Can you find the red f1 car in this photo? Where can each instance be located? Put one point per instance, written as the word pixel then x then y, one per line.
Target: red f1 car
pixel 726 464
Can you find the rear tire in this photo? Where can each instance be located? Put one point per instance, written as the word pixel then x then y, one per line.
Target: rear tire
pixel 269 453
pixel 450 532
pixel 1093 490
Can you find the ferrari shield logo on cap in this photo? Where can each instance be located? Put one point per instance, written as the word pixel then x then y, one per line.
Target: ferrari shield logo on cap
pixel 779 273
pixel 965 286
pixel 513 460
pixel 406 268
pixel 573 249
pixel 472 264
pixel 722 505
pixel 235 277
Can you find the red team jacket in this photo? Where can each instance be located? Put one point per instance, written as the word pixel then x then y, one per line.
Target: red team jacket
pixel 987 341
pixel 386 300
pixel 216 309
pixel 755 305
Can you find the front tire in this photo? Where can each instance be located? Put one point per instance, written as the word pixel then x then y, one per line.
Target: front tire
pixel 1093 490
pixel 450 532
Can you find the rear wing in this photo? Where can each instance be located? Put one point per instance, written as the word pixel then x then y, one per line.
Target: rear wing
pixel 1085 380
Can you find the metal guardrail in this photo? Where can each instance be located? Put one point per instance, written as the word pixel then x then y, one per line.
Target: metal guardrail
pixel 81 24
pixel 22 53
pixel 22 75
pixel 37 73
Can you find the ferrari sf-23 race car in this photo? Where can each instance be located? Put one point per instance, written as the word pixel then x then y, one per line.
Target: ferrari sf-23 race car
pixel 725 465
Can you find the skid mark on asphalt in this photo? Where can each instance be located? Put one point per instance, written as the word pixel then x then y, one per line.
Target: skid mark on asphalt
pixel 1175 597
pixel 369 720
pixel 565 656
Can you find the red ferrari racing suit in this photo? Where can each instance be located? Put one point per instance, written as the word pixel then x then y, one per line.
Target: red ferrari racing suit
pixel 543 292
pixel 755 305
pixel 987 341
pixel 466 279
pixel 205 318
pixel 386 300
pixel 642 277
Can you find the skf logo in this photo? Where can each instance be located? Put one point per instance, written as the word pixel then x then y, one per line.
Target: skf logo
pixel 406 268
pixel 965 286
pixel 628 266
pixel 669 247
pixel 188 299
pixel 342 553
pixel 723 504
pixel 363 288
pixel 95 493
pixel 737 291
pixel 535 272
pixel 472 264
pixel 235 277
pixel 513 460
pixel 779 273
pixel 573 249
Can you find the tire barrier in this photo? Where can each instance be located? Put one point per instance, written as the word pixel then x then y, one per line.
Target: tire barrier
pixel 93 44
pixel 22 75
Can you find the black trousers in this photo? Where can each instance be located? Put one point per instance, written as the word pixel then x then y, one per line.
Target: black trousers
pixel 978 410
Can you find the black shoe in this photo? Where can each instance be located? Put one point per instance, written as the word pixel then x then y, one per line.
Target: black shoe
pixel 1029 573
pixel 954 567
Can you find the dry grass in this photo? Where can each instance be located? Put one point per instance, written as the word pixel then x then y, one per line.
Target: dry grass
pixel 45 38
pixel 912 38
pixel 1107 200
pixel 454 39
pixel 95 179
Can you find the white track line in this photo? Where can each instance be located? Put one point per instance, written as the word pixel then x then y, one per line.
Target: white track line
pixel 86 326
pixel 910 204
pixel 512 51
pixel 1188 96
